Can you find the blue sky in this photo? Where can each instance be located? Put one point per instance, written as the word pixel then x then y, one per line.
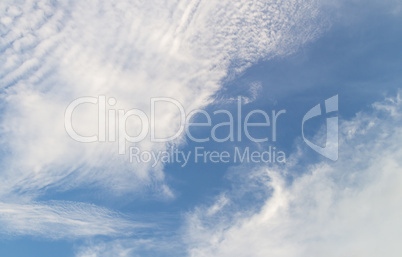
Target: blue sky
pixel 61 197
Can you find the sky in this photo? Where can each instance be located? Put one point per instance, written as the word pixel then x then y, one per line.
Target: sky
pixel 200 128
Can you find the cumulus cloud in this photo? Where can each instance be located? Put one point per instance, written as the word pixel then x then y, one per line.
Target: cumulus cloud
pixel 345 208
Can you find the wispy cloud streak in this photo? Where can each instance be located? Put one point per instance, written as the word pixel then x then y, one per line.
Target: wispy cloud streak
pixel 64 220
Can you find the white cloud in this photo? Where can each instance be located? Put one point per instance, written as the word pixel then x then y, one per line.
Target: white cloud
pixel 64 219
pixel 348 208
pixel 130 248
pixel 54 52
